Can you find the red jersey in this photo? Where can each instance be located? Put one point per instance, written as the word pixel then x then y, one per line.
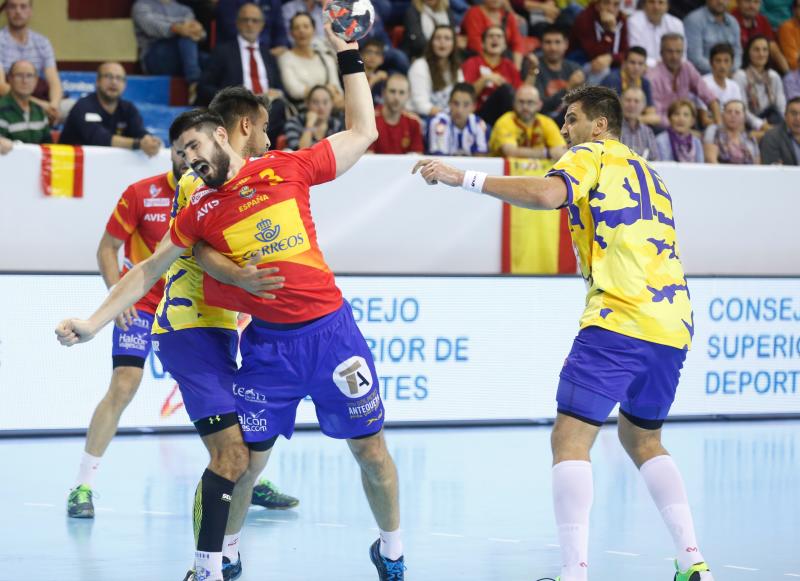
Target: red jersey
pixel 141 219
pixel 403 137
pixel 264 213
pixel 760 26
pixel 476 67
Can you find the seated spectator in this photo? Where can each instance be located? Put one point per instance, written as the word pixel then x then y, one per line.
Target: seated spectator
pixel 676 78
pixel 20 118
pixel 316 123
pixel 631 74
pixel 678 143
pixel 494 77
pixel 752 23
pixel 422 18
pixel 20 43
pixel 303 66
pixel 458 131
pixel 556 75
pixel 311 7
pixel 398 132
pixel 647 26
pixel 789 37
pixel 432 77
pixel 246 61
pixel 761 86
pixel 273 35
pixel 730 142
pixel 104 118
pixel 709 25
pixel 524 132
pixel 718 80
pixel 600 35
pixel 542 14
pixel 777 11
pixel 372 54
pixel 781 144
pixel 791 85
pixel 635 134
pixel 492 14
pixel 168 36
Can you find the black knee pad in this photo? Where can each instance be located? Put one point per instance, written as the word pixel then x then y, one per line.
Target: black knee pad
pixel 263 445
pixel 213 424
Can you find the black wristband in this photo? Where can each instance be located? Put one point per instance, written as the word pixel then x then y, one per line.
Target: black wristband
pixel 350 62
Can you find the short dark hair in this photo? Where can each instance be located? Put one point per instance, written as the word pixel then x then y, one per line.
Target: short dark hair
pixel 793 100
pixel 467 88
pixel 598 102
pixel 194 119
pixel 316 88
pixel 746 53
pixel 233 103
pixel 373 41
pixel 721 48
pixel 298 15
pixel 676 106
pixel 498 27
pixel 636 50
pixel 554 29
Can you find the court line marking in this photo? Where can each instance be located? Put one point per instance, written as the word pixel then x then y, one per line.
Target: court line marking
pixel 157 512
pixel 270 520
pixel 740 568
pixel 448 535
pixel 623 553
pixel 498 540
pixel 330 524
pixel 44 504
pixel 791 575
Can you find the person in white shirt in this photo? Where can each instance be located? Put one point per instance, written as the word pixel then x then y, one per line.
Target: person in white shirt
pixel 433 75
pixel 718 80
pixel 647 26
pixel 458 131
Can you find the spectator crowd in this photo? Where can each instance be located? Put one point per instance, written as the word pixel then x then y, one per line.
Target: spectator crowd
pixel 704 81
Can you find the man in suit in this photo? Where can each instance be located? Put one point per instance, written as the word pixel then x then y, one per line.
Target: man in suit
pixel 781 145
pixel 245 61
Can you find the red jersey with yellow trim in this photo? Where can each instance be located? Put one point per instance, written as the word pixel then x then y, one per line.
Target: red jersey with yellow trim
pixel 141 219
pixel 264 214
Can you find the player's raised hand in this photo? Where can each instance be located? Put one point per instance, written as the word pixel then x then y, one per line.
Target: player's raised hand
pixel 435 171
pixel 70 332
pixel 125 319
pixel 259 281
pixel 337 43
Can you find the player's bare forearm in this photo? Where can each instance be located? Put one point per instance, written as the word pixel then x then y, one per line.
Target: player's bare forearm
pixel 108 259
pixel 527 192
pixel 257 281
pixel 215 263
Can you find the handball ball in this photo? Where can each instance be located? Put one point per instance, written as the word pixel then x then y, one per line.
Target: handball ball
pixel 351 20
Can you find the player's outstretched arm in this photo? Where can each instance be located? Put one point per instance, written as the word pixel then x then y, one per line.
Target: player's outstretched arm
pixel 130 289
pixel 359 114
pixel 108 263
pixel 528 192
pixel 257 281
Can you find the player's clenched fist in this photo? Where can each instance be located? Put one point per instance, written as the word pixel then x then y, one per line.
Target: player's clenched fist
pixel 435 171
pixel 73 331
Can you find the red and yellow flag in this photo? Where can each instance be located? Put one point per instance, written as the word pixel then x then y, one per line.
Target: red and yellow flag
pixel 62 171
pixel 535 241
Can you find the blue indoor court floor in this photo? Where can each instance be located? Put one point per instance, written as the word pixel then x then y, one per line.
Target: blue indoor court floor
pixel 475 506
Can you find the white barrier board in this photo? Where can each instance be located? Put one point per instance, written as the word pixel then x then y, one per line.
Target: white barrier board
pixel 446 349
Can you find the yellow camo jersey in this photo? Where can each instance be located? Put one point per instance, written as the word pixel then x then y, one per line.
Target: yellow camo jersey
pixel 622 226
pixel 183 305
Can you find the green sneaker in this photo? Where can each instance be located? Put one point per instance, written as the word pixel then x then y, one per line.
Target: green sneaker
pixel 266 494
pixel 79 502
pixel 697 572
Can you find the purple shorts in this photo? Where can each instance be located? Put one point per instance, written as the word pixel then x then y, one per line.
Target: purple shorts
pixel 605 368
pixel 328 360
pixel 203 362
pixel 130 346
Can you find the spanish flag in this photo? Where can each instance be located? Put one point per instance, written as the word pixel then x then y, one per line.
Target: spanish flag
pixel 535 241
pixel 62 171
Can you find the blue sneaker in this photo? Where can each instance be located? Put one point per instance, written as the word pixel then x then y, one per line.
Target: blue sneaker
pixel 231 571
pixel 388 570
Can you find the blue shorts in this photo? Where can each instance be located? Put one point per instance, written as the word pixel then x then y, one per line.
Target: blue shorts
pixel 328 360
pixel 130 348
pixel 203 362
pixel 605 368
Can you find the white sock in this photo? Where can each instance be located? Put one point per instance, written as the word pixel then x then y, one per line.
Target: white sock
pixel 230 547
pixel 572 500
pixel 665 484
pixel 391 544
pixel 208 566
pixel 87 469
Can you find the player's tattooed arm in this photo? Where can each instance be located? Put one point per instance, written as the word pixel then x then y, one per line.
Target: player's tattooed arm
pixel 257 281
pixel 528 192
pixel 130 289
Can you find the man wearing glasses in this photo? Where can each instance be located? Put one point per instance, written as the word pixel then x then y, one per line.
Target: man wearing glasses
pixel 104 118
pixel 21 119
